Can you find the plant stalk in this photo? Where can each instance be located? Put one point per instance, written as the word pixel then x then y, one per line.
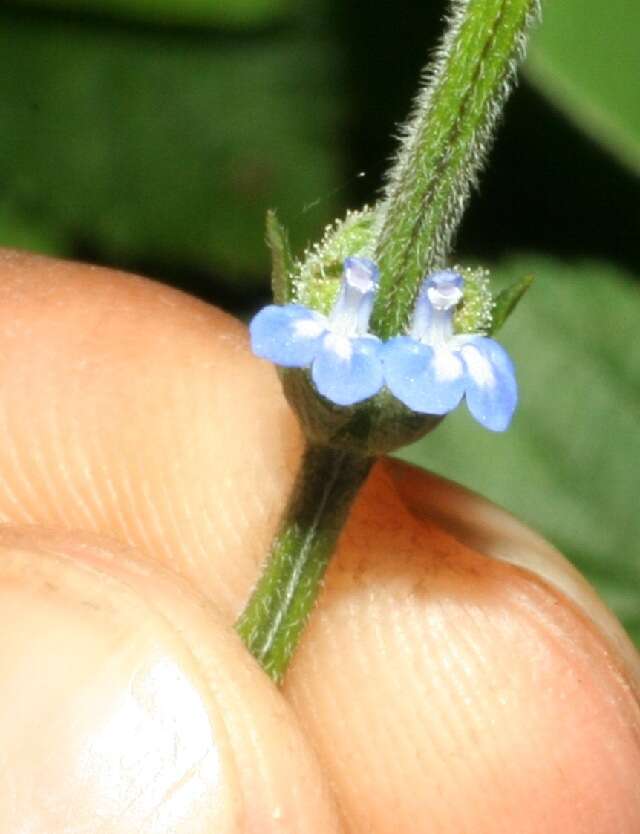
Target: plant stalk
pixel 284 596
pixel 443 147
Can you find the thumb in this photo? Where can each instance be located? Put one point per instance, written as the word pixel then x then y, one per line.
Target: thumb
pixel 126 707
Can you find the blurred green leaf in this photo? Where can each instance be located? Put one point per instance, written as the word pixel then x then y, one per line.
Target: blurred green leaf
pixel 20 231
pixel 190 12
pixel 281 260
pixel 507 300
pixel 569 465
pixel 586 58
pixel 163 147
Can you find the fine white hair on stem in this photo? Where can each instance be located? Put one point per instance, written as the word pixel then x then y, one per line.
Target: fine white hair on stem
pixel 444 143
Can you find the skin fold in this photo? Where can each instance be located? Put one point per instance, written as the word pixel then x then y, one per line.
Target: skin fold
pixel 457 675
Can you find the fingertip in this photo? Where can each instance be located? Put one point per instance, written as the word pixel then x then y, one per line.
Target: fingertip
pixel 132 409
pixel 447 691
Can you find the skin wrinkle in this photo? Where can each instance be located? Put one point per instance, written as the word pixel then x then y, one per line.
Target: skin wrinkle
pixel 448 728
pixel 192 509
pixel 25 488
pixel 83 462
pixel 65 480
pixel 10 493
pixel 463 671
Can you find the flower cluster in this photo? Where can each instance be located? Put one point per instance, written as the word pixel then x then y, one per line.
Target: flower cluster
pixel 430 369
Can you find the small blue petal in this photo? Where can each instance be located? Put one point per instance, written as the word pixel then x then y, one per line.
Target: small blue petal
pixel 289 336
pixel 425 380
pixel 346 370
pixel 491 389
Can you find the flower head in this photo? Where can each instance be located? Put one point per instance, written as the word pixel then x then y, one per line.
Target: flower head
pixel 343 356
pixel 430 370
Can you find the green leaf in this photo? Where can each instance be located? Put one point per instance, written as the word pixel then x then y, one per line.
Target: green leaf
pixel 164 147
pixel 281 260
pixel 507 300
pixel 586 59
pixel 569 465
pixel 190 12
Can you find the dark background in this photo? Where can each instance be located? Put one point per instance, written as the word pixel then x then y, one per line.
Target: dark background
pixel 340 83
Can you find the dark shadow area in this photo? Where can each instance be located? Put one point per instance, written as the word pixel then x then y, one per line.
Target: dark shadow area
pixel 546 186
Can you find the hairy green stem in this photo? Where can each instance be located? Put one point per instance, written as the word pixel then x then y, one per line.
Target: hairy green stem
pixel 443 147
pixel 281 602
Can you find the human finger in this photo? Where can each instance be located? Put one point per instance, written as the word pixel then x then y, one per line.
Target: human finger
pixel 127 706
pixel 458 676
pixel 132 410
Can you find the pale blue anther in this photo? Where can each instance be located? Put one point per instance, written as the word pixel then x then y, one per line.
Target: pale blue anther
pixel 430 370
pixel 343 356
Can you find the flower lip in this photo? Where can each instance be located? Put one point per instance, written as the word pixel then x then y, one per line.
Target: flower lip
pixel 431 369
pixel 341 354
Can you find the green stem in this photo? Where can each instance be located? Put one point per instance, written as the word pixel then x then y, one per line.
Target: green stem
pixel 277 612
pixel 443 148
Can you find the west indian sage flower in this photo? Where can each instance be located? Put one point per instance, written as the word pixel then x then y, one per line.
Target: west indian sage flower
pixel 343 356
pixel 431 369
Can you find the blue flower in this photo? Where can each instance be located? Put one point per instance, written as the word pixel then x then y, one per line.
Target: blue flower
pixel 343 356
pixel 430 370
